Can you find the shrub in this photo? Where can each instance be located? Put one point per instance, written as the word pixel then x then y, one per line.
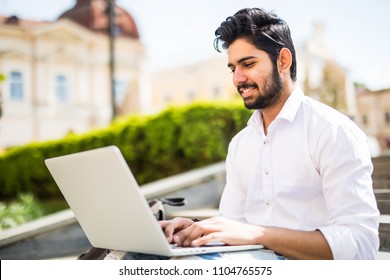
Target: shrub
pixel 173 141
pixel 25 209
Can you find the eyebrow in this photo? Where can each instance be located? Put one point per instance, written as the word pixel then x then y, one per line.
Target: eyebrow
pixel 241 60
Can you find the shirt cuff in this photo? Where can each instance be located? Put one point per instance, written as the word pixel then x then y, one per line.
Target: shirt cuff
pixel 341 242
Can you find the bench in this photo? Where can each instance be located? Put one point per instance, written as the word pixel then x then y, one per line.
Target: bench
pixel 381 173
pixel 381 185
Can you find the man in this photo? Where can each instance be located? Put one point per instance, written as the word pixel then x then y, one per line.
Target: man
pixel 299 175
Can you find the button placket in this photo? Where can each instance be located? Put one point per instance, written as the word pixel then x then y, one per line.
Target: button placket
pixel 267 178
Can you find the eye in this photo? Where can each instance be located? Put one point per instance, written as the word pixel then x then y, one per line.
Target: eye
pixel 232 69
pixel 249 64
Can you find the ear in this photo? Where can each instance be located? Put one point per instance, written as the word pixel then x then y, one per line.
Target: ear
pixel 284 60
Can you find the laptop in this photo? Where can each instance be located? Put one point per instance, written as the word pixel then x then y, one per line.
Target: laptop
pixel 110 207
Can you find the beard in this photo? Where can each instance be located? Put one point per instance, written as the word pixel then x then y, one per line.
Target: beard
pixel 270 95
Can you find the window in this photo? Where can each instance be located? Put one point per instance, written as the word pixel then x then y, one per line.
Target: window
pixel 365 120
pixel 191 96
pixel 216 92
pixel 167 98
pixel 120 88
pixel 117 31
pixel 61 89
pixel 16 86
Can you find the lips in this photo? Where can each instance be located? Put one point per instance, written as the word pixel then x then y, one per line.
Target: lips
pixel 246 91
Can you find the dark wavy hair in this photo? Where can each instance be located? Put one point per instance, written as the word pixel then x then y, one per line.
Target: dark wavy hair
pixel 265 30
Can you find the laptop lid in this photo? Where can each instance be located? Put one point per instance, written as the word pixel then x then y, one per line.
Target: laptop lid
pixel 109 205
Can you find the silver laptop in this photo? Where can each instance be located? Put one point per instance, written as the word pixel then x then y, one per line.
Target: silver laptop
pixel 110 207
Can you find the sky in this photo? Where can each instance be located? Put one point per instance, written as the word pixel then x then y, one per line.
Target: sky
pixel 176 32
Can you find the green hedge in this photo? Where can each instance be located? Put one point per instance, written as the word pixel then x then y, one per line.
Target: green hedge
pixel 174 141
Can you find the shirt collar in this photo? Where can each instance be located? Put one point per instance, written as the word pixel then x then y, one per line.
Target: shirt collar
pixel 288 112
pixel 290 108
pixel 256 120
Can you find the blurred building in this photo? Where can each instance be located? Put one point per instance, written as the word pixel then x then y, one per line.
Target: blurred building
pixel 57 77
pixel 319 75
pixel 208 80
pixel 322 77
pixel 57 73
pixel 374 116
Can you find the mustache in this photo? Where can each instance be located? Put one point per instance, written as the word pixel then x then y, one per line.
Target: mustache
pixel 246 85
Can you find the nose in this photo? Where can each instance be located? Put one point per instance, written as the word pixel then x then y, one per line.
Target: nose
pixel 238 76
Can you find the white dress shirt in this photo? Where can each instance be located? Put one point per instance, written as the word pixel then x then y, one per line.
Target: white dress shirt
pixel 311 171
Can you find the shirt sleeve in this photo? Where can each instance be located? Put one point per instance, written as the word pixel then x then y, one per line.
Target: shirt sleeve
pixel 232 204
pixel 345 166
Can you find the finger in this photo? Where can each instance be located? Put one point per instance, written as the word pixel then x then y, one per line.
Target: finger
pixel 197 231
pixel 168 228
pixel 163 224
pixel 185 236
pixel 172 226
pixel 208 238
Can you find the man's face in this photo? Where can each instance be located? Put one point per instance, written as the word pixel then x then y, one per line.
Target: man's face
pixel 254 75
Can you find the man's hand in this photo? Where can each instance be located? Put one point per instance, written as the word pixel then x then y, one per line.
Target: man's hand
pixel 294 244
pixel 217 229
pixel 171 227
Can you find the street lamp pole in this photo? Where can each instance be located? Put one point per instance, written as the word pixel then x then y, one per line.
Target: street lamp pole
pixel 111 31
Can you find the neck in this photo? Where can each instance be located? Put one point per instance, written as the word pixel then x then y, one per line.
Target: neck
pixel 270 113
